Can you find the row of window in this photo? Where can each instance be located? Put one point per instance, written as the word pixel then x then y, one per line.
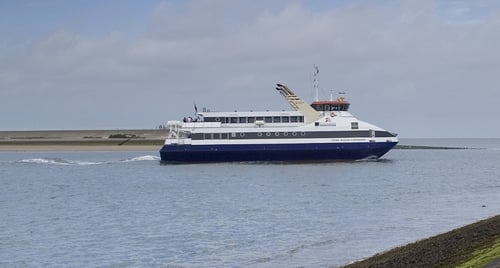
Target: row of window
pixel 252 119
pixel 208 136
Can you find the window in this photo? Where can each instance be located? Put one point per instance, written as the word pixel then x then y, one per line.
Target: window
pixel 268 119
pixel 251 119
pixel 301 119
pixel 276 119
pixel 354 125
pixel 234 120
pixel 285 119
pixel 294 119
pixel 243 120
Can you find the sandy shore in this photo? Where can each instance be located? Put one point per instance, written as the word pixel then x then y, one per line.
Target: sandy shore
pixel 83 140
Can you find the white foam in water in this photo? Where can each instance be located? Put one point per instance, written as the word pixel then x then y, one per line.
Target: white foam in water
pixel 143 158
pixel 38 161
pixel 58 161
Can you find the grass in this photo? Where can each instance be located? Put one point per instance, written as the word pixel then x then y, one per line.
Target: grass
pixel 483 256
pixel 473 245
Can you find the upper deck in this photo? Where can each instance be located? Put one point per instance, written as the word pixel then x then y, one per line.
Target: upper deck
pixel 252 117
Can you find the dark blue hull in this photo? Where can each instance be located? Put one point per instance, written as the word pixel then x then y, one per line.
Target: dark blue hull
pixel 274 152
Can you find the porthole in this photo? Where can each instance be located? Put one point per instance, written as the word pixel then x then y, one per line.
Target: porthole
pixel 294 134
pixel 268 134
pixel 259 134
pixel 242 134
pixel 276 134
pixel 285 134
pixel 217 119
pixel 303 134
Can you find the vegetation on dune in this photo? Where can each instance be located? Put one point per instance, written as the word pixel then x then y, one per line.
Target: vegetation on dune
pixel 124 136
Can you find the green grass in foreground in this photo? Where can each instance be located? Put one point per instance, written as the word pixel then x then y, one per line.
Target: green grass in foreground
pixel 483 256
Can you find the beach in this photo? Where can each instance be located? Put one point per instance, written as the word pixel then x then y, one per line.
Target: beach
pixel 83 140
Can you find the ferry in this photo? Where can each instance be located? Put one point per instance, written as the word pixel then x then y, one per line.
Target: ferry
pixel 320 131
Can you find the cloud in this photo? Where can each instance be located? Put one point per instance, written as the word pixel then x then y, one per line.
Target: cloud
pixel 399 61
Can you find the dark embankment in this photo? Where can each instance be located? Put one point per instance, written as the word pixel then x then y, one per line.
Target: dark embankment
pixel 445 250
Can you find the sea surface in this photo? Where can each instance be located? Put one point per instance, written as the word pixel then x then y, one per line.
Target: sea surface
pixel 126 209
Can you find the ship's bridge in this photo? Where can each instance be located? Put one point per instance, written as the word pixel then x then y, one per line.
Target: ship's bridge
pixel 332 105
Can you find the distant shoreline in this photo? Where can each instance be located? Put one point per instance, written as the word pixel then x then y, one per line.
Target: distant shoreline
pixel 83 140
pixel 104 140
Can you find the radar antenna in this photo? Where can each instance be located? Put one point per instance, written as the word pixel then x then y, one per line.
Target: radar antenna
pixel 316 82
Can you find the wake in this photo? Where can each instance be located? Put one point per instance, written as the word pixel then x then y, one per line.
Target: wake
pixel 64 162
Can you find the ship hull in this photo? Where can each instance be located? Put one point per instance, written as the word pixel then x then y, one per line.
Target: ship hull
pixel 274 152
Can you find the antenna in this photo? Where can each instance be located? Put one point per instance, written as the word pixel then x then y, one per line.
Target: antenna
pixel 316 82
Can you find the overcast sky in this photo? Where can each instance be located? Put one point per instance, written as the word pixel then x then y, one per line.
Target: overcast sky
pixel 423 68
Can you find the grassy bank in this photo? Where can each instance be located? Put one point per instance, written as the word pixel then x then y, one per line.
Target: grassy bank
pixel 474 245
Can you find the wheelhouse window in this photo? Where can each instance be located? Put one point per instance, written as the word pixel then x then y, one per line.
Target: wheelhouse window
pixel 335 106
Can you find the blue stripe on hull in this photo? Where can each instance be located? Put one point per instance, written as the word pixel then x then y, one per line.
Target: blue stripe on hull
pixel 273 152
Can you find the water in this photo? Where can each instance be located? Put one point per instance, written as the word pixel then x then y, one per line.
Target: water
pixel 126 209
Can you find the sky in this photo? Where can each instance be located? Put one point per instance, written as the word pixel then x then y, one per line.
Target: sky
pixel 420 68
